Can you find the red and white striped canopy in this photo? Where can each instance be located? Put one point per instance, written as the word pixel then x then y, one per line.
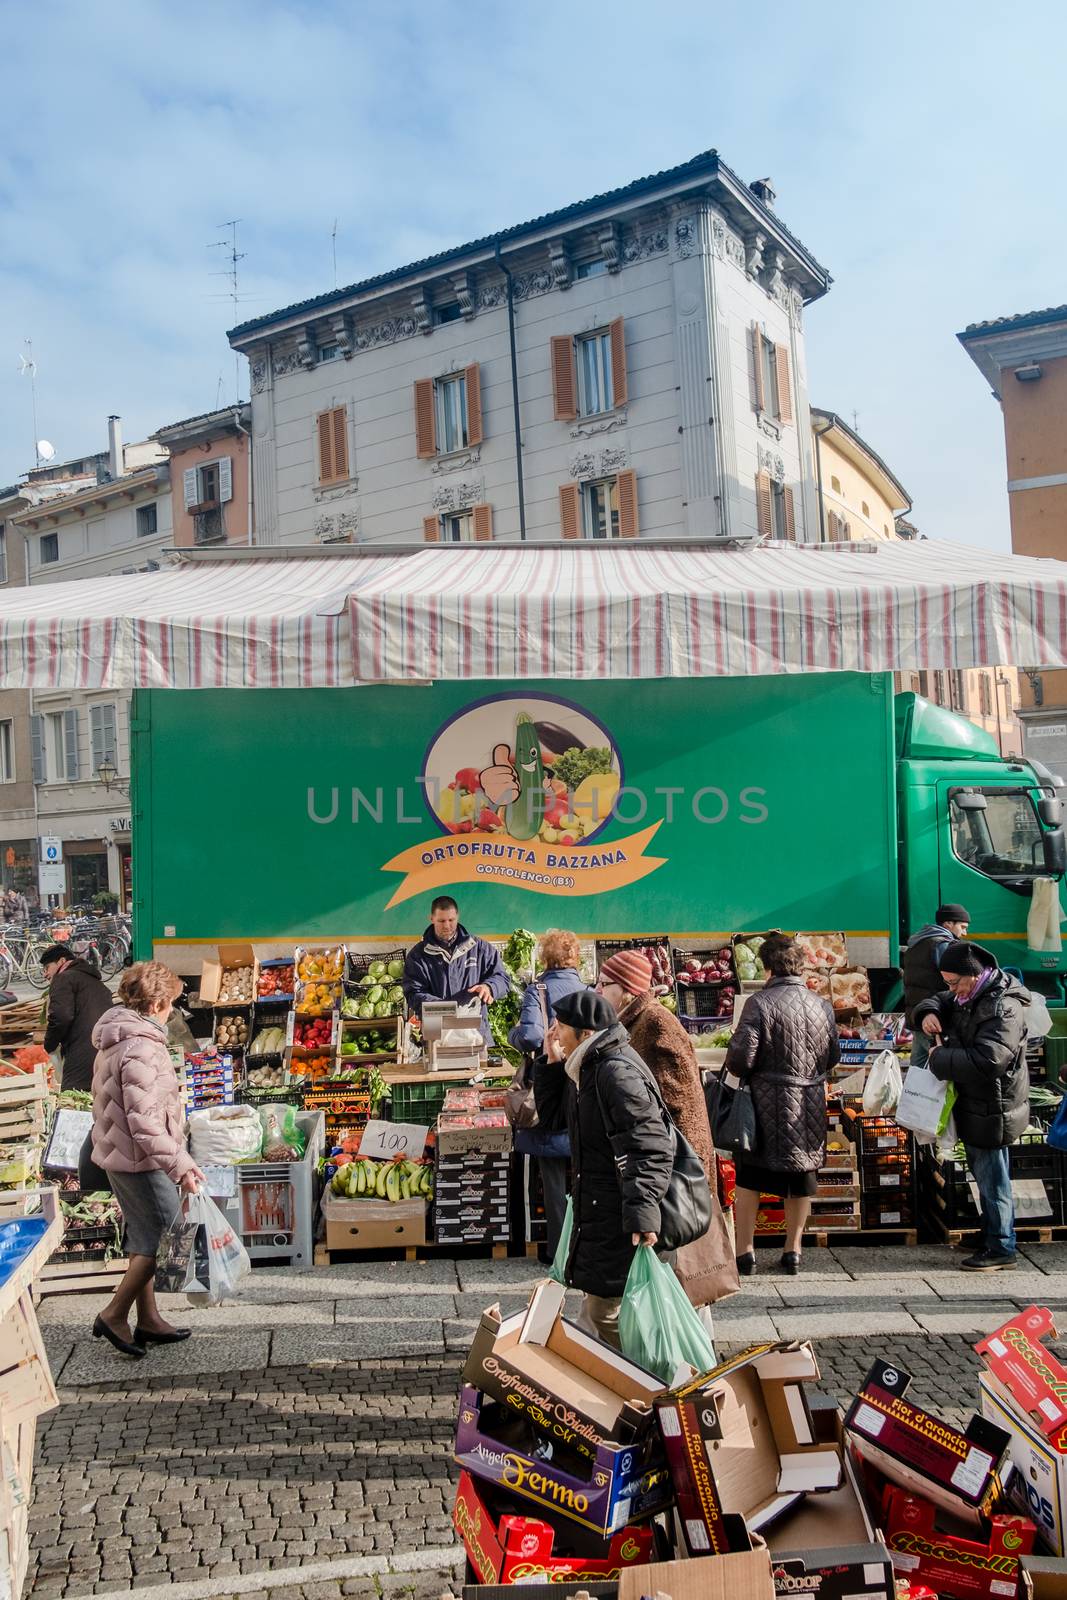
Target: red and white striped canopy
pixel 537 611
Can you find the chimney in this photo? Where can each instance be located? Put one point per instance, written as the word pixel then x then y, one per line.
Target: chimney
pixel 764 190
pixel 116 454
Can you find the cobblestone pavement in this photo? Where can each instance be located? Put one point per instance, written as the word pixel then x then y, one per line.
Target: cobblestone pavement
pixel 331 1469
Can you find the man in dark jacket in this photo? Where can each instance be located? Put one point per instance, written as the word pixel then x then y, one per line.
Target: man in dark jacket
pixel 77 998
pixel 448 963
pixel 919 963
pixel 592 1082
pixel 976 1032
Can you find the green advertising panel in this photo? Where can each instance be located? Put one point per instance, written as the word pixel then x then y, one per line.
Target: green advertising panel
pixel 611 808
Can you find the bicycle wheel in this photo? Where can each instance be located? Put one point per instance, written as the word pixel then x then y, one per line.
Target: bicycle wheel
pixel 6 968
pixel 32 969
pixel 112 956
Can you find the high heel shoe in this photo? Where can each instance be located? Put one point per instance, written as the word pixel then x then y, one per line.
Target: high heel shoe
pixel 746 1264
pixel 102 1331
pixel 790 1262
pixel 142 1337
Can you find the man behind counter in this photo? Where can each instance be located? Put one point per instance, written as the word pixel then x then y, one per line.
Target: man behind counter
pixel 448 963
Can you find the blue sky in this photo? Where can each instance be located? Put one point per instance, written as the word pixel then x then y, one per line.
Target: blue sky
pixel 917 150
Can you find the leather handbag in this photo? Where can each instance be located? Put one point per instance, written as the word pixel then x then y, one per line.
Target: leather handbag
pixel 685 1209
pixel 732 1115
pixel 519 1100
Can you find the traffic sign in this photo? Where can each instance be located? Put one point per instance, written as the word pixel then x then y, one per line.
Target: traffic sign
pixel 51 850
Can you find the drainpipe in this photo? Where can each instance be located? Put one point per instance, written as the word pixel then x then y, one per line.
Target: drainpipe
pixel 514 392
pixel 818 432
pixel 241 429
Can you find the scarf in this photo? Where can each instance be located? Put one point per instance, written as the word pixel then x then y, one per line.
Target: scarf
pixel 574 1061
pixel 984 979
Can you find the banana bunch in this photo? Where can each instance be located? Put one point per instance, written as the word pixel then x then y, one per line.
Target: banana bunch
pixel 364 1179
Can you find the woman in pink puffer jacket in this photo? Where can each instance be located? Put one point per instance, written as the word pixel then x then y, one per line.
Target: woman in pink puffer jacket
pixel 139 1142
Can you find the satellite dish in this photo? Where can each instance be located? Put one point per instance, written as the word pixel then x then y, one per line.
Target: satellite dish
pixel 45 449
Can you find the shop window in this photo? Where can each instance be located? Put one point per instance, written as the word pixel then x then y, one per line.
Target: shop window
pixel 147 520
pixel 48 549
pixel 88 877
pixel 7 751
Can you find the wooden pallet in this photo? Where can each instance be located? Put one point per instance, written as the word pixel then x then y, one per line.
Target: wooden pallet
pixel 1025 1232
pixel 78 1277
pixel 411 1252
pixel 822 1238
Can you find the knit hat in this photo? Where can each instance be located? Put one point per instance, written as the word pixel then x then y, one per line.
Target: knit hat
pixel 953 912
pixel 583 1008
pixel 630 969
pixel 965 959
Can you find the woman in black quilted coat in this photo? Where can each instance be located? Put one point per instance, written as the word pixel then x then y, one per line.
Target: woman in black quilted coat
pixel 783 1047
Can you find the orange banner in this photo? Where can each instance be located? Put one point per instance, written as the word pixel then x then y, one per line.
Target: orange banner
pixel 523 864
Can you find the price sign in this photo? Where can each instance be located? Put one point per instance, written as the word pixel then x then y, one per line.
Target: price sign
pixel 69 1132
pixel 382 1140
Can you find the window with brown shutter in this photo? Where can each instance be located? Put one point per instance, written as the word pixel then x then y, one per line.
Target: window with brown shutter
pixel 789 514
pixel 483 523
pixel 570 511
pixel 785 392
pixel 425 419
pixel 473 376
pixel 564 381
pixel 332 430
pixel 627 483
pixel 431 530
pixel 617 330
pixel 764 507
pixel 757 366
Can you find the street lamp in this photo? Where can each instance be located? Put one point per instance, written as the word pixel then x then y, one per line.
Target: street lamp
pixel 108 774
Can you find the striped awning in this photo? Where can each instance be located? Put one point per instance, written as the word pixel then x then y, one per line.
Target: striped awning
pixel 537 611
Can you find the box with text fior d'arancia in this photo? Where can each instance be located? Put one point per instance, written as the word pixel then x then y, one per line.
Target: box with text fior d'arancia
pixel 1024 1391
pixel 742 1446
pixel 963 1473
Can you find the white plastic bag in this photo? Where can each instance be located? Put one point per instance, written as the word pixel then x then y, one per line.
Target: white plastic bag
pixel 882 1090
pixel 219 1259
pixel 925 1102
pixel 1038 1021
pixel 224 1135
pixel 1046 915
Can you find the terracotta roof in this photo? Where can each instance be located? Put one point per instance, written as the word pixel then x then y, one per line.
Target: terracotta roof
pixel 1024 319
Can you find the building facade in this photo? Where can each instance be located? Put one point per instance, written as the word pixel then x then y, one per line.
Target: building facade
pixel 210 464
pixel 1024 361
pixel 631 365
pixel 18 810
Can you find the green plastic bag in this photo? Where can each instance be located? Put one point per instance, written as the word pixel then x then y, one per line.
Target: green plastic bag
pixel 658 1328
pixel 563 1249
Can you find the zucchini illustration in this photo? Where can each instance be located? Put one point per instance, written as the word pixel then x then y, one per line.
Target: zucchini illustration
pixel 525 812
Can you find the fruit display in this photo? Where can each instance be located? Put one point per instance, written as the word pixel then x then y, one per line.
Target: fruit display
pixel 318 981
pixel 371 1043
pixel 313 1033
pixel 231 1033
pixel 746 955
pixel 275 981
pixel 268 1041
pixel 314 1067
pixel 236 987
pixel 359 1178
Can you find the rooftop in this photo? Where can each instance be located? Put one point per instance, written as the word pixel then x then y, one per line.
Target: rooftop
pixel 206 421
pixel 707 165
pixel 1023 319
pixel 838 423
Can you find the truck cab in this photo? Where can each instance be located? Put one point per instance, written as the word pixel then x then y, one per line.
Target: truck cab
pixel 978 828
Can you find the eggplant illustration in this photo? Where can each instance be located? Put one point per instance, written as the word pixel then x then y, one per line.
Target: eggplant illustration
pixel 555 740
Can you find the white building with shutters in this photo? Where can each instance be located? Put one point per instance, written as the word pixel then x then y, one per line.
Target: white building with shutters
pixel 119 525
pixel 629 366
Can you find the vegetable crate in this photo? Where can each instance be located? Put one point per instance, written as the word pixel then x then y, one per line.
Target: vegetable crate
pixel 383 1036
pixel 274 1207
pixel 703 997
pixel 358 963
pixel 417 1102
pixel 345 1108
pixel 610 947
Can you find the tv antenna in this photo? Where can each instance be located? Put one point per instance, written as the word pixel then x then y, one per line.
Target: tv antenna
pixel 28 369
pixel 233 256
pixel 334 238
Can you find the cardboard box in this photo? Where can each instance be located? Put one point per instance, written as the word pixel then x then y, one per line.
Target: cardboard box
pixel 952 1563
pixel 850 991
pixel 963 1473
pixel 1024 1391
pixel 826 1546
pixel 742 1446
pixel 1042 1579
pixel 824 952
pixel 509 1549
pixel 745 1576
pixel 373 1224
pixel 570 1385
pixel 228 957
pixel 453 1139
pixel 1038 1485
pixel 618 1485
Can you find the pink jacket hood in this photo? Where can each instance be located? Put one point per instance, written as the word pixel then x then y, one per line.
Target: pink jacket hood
pixel 137 1113
pixel 119 1024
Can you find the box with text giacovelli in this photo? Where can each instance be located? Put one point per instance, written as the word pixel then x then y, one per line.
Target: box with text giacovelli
pixel 963 1473
pixel 962 1564
pixel 1024 1390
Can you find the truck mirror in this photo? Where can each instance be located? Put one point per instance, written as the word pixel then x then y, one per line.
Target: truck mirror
pixel 1054 844
pixel 1050 810
pixel 968 800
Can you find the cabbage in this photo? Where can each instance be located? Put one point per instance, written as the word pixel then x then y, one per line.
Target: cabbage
pixel 395 970
pixel 382 1008
pixel 376 970
pixel 366 1010
pixel 375 994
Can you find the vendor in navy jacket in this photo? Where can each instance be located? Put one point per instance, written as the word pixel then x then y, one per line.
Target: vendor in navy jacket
pixel 448 963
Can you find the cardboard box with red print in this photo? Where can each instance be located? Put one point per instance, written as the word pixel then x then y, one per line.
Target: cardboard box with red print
pixel 961 1564
pixel 1024 1390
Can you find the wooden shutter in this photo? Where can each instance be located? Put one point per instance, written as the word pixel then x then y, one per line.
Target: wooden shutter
pixel 425 420
pixel 325 429
pixel 790 514
pixel 570 510
pixel 785 392
pixel 619 386
pixel 70 744
pixel 764 509
pixel 189 493
pixel 37 747
pixel 482 517
pixel 339 429
pixel 757 360
pixel 473 376
pixel 564 381
pixel 431 530
pixel 225 479
pixel 627 489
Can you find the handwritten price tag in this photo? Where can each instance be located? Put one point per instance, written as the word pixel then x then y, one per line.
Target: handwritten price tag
pixel 382 1140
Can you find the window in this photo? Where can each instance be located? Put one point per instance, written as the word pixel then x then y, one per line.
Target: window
pixel 209 484
pixel 331 429
pixel 774 394
pixel 939 688
pixel 458 528
pixel 782 512
pixel 595 388
pixel 985 699
pixel 590 269
pixel 147 520
pixel 1004 840
pixel 329 352
pixel 473 525
pixel 1007 694
pixel 102 733
pixel 7 751
pixel 447 313
pixel 589 372
pixel 775 511
pixel 865 508
pixel 451 396
pixel 603 509
pixel 835 484
pixel 48 549
pixel 3 553
pixel 56 756
pixel 885 529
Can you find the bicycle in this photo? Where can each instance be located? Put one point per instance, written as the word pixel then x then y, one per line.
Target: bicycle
pixel 21 948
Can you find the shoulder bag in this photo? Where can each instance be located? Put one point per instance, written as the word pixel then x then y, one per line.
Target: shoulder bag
pixel 685 1209
pixel 731 1113
pixel 519 1100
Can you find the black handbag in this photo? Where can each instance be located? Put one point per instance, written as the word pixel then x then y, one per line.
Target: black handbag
pixel 685 1210
pixel 732 1115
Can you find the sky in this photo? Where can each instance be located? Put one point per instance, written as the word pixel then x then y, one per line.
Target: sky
pixel 917 150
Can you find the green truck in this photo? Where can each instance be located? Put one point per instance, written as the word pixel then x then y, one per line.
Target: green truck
pixel 814 802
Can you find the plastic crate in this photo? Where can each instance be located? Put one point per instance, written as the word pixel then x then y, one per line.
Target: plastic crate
pixel 291 1095
pixel 609 947
pixel 701 1000
pixel 274 1207
pixel 889 1213
pixel 417 1102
